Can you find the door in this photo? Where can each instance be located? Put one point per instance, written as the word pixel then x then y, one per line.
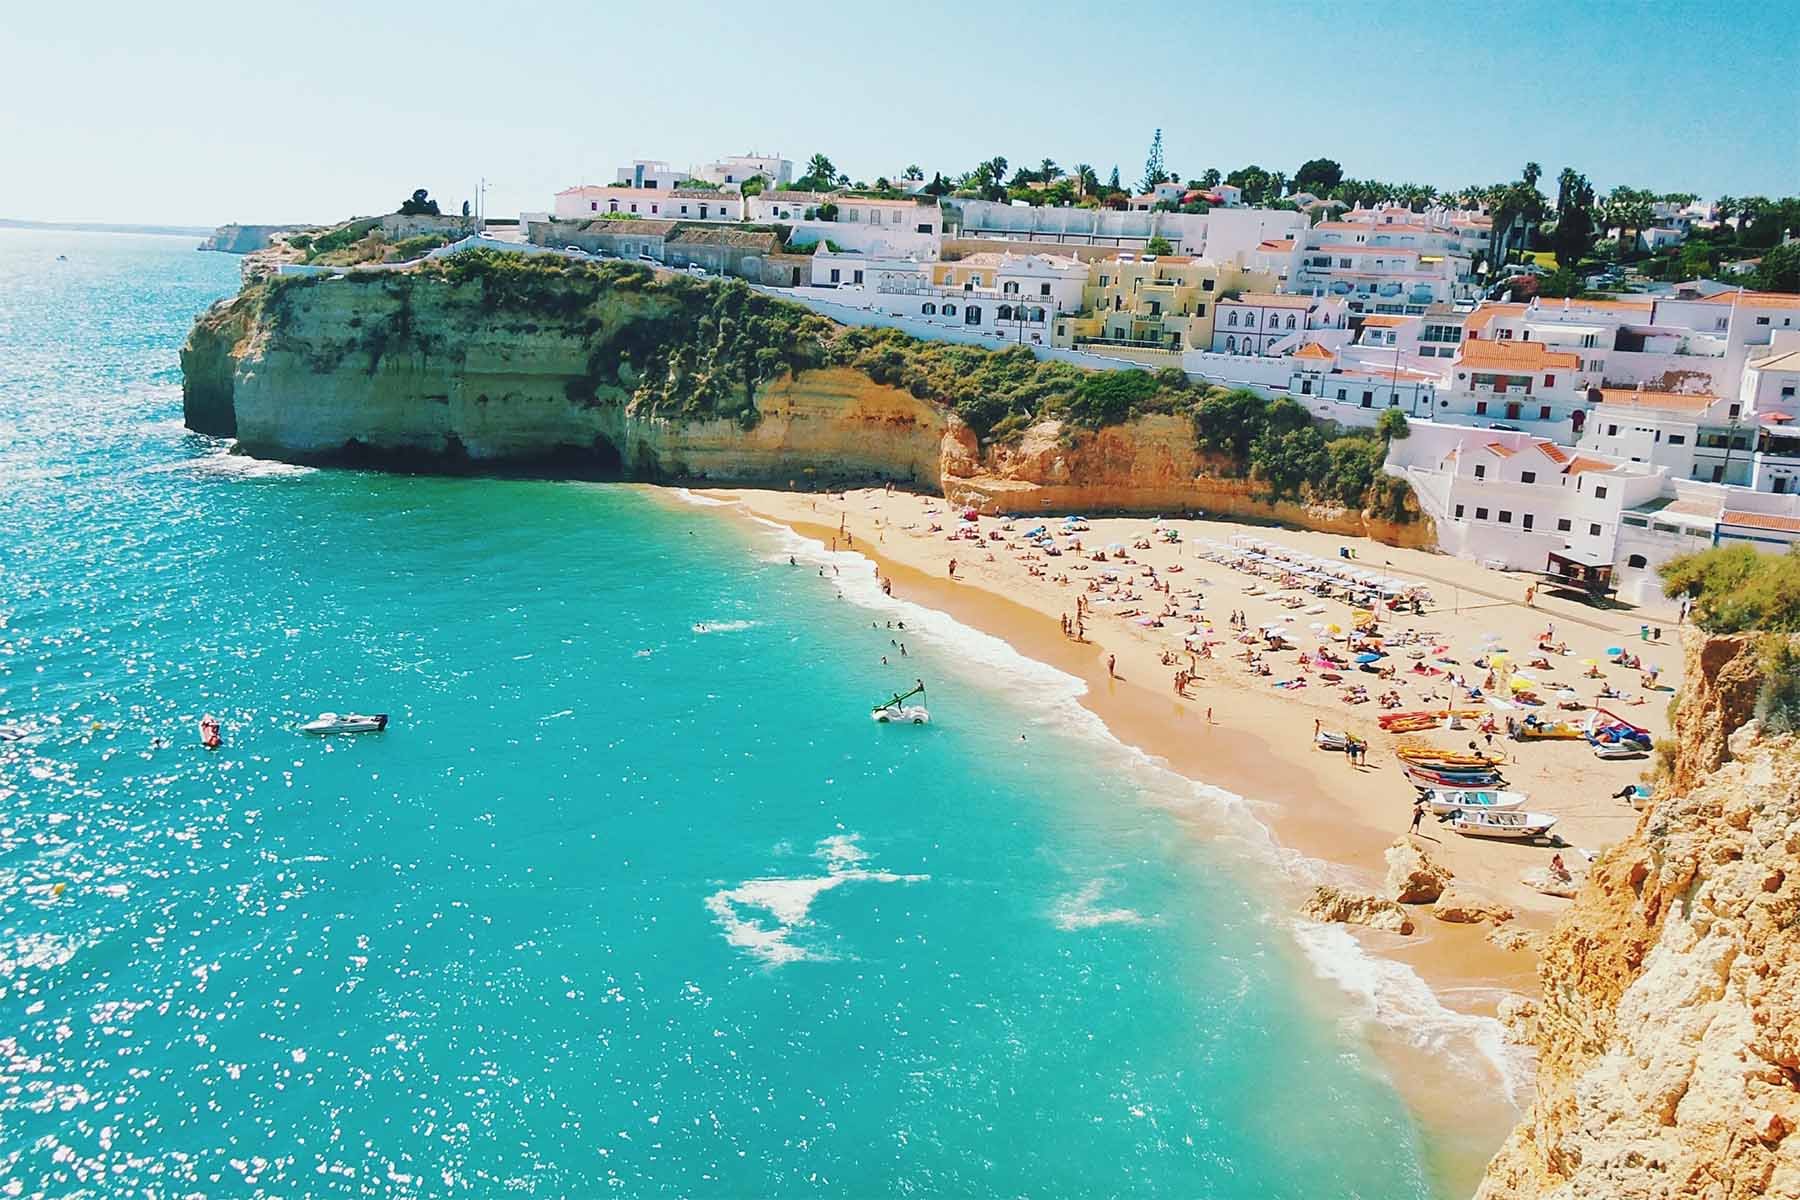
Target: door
pixel 1512 412
pixel 971 314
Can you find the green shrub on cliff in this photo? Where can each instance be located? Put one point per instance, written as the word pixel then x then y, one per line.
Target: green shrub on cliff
pixel 1737 588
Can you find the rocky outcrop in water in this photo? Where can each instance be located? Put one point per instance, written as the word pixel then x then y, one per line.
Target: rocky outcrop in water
pixel 1668 1035
pixel 1329 903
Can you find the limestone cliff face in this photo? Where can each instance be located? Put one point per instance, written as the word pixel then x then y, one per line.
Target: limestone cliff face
pixel 442 374
pixel 1669 1032
pixel 388 371
pixel 1148 465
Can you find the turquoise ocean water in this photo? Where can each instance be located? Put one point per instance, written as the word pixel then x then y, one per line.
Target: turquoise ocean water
pixel 617 905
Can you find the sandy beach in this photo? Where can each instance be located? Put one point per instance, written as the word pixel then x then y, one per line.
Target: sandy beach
pixel 1158 597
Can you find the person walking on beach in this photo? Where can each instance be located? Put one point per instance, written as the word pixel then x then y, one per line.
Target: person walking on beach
pixel 1111 659
pixel 1419 808
pixel 953 568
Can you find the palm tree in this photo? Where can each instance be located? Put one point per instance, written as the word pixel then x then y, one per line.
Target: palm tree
pixel 821 168
pixel 1047 170
pixel 1277 188
pixel 1086 182
pixel 1532 174
pixel 914 172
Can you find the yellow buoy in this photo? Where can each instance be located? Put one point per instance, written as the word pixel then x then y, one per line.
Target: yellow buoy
pixel 57 889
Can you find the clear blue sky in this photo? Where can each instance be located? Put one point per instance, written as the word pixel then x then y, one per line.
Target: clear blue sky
pixel 199 113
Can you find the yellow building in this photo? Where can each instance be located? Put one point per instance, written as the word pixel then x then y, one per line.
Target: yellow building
pixel 1159 304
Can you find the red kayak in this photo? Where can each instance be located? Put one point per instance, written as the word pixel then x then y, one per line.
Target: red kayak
pixel 209 732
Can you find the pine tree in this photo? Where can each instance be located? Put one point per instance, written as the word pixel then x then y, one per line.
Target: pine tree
pixel 1153 166
pixel 1112 184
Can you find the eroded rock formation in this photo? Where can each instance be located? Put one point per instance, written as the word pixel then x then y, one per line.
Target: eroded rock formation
pixel 1668 1035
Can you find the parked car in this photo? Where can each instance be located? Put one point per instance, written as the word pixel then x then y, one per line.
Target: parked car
pixel 1503 427
pixel 574 250
pixel 645 258
pixel 696 270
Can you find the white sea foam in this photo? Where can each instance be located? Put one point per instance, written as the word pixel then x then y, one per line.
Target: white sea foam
pixel 724 626
pixel 1082 909
pixel 703 501
pixel 237 466
pixel 1385 992
pixel 1392 994
pixel 761 915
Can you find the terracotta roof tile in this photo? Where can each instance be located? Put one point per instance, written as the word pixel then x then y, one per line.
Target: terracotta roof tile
pixel 1497 448
pixel 1667 401
pixel 1756 520
pixel 1578 464
pixel 1553 452
pixel 1529 356
pixel 1760 299
pixel 1315 351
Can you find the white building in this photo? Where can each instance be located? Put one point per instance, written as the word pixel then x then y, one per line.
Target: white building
pixel 1271 322
pixel 1012 297
pixel 1389 261
pixel 676 204
pixel 649 173
pixel 732 171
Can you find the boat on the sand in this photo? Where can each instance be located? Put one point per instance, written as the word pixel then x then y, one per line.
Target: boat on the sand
pixel 1455 800
pixel 1512 823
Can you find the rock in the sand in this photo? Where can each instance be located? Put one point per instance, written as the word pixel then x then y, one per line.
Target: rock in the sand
pixel 1412 876
pixel 1519 1015
pixel 1330 903
pixel 1543 879
pixel 1511 937
pixel 1464 907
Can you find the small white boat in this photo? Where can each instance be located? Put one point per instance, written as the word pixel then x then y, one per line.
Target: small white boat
pixel 330 722
pixel 1619 750
pixel 1331 739
pixel 1454 800
pixel 1522 826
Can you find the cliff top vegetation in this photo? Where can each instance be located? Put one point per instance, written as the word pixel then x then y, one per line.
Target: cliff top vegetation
pixel 1737 589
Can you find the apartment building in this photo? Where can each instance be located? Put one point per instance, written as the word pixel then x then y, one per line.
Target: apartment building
pixel 734 170
pixel 1162 303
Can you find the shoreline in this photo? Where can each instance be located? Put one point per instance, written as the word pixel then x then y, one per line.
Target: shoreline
pixel 1314 805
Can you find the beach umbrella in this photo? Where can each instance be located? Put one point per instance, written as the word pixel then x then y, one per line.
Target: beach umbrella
pixel 1520 685
pixel 1367 657
pixel 1614 650
pixel 1590 662
pixel 1334 629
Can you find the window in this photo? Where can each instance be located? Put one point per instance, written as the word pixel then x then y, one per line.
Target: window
pixel 1003 313
pixel 1678 439
pixel 1612 431
pixel 1480 471
pixel 1637 560
pixel 1481 514
pixel 1544 413
pixel 1199 310
pixel 594 205
pixel 1762 320
pixel 1600 493
pixel 834 274
pixel 1525 521
pixel 1104 281
pixel 1549 381
pixel 1206 285
pixel 1232 319
pixel 928 308
pixel 1527 476
pixel 1593 531
pixel 1231 345
pixel 1481 408
pixel 684 209
pixel 1290 323
pixel 1043 289
pixel 1340 393
pixel 1459 512
pixel 1010 288
pixel 949 310
pixel 1562 525
pixel 1506 516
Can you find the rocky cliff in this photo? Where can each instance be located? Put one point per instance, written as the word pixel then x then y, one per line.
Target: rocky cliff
pixel 242 239
pixel 447 371
pixel 1669 1032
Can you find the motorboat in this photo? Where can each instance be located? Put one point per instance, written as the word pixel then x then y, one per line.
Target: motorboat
pixel 1453 780
pixel 1510 823
pixel 1619 750
pixel 330 722
pixel 1331 739
pixel 896 710
pixel 1455 800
